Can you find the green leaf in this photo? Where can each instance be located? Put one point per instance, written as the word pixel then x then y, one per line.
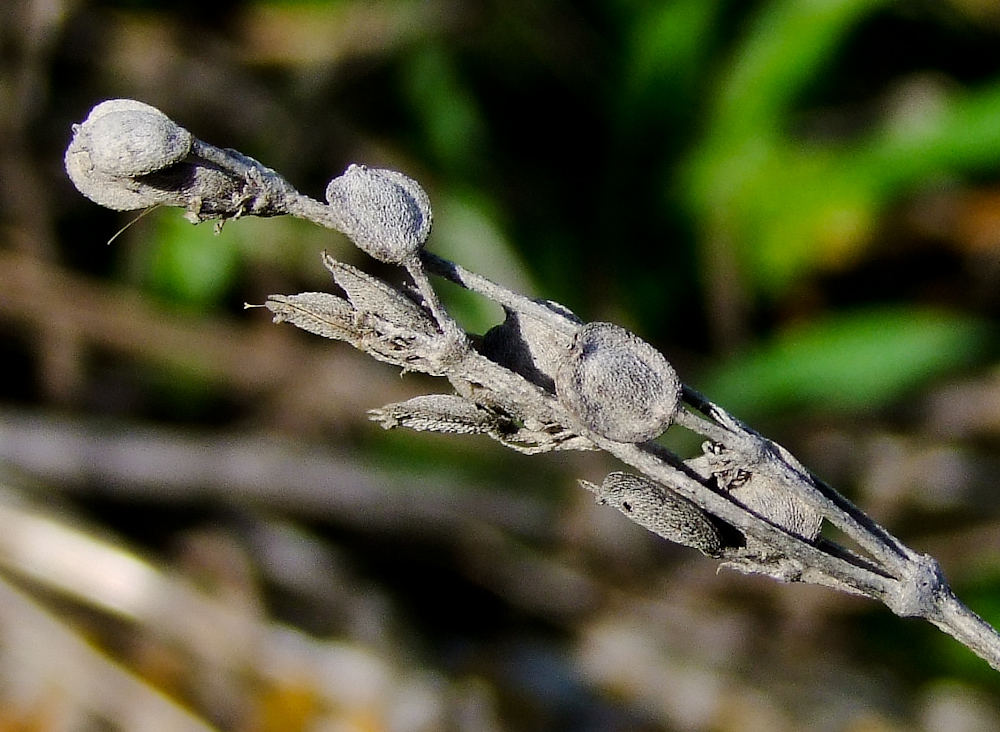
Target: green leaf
pixel 788 43
pixel 791 207
pixel 664 58
pixel 448 113
pixel 188 265
pixel 854 362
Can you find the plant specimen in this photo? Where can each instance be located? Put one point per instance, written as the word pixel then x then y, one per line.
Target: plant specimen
pixel 542 380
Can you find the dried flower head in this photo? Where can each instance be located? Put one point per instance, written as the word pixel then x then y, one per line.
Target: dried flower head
pixel 385 213
pixel 618 385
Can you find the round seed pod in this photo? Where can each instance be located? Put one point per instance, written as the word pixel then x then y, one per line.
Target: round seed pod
pixel 128 138
pixel 120 141
pixel 385 213
pixel 617 385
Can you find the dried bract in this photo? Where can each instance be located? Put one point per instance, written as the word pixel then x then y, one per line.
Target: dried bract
pixel 385 213
pixel 660 510
pixel 618 385
pixel 316 312
pixel 373 297
pixel 529 347
pixel 436 413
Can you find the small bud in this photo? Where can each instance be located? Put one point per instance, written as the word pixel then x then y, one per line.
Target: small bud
pixel 385 213
pixel 618 385
pixel 660 510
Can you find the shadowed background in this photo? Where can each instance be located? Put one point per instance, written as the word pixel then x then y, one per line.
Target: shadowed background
pixel 797 201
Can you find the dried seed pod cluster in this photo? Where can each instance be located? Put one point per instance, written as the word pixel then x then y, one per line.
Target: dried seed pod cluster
pixel 542 380
pixel 385 213
pixel 617 385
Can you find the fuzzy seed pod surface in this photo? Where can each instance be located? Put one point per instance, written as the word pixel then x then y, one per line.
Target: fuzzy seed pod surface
pixel 387 214
pixel 618 385
pixel 661 511
pixel 121 141
pixel 128 138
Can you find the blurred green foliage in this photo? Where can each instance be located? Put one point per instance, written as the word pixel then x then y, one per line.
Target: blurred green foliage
pixel 195 267
pixel 851 362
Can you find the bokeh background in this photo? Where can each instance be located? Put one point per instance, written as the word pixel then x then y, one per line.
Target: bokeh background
pixel 798 201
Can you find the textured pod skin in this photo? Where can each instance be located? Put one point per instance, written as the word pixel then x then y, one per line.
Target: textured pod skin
pixel 777 504
pixel 385 213
pixel 119 143
pixel 617 385
pixel 128 138
pixel 762 494
pixel 661 511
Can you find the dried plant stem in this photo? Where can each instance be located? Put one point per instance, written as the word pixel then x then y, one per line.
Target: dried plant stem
pixel 543 380
pixel 497 293
pixel 958 621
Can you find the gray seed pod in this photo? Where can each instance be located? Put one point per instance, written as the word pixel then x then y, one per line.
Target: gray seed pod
pixel 777 504
pixel 618 385
pixel 386 214
pixel 121 141
pixel 128 138
pixel 760 493
pixel 660 510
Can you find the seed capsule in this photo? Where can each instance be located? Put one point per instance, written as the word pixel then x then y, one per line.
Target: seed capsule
pixel 764 495
pixel 128 138
pixel 618 385
pixel 120 141
pixel 385 213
